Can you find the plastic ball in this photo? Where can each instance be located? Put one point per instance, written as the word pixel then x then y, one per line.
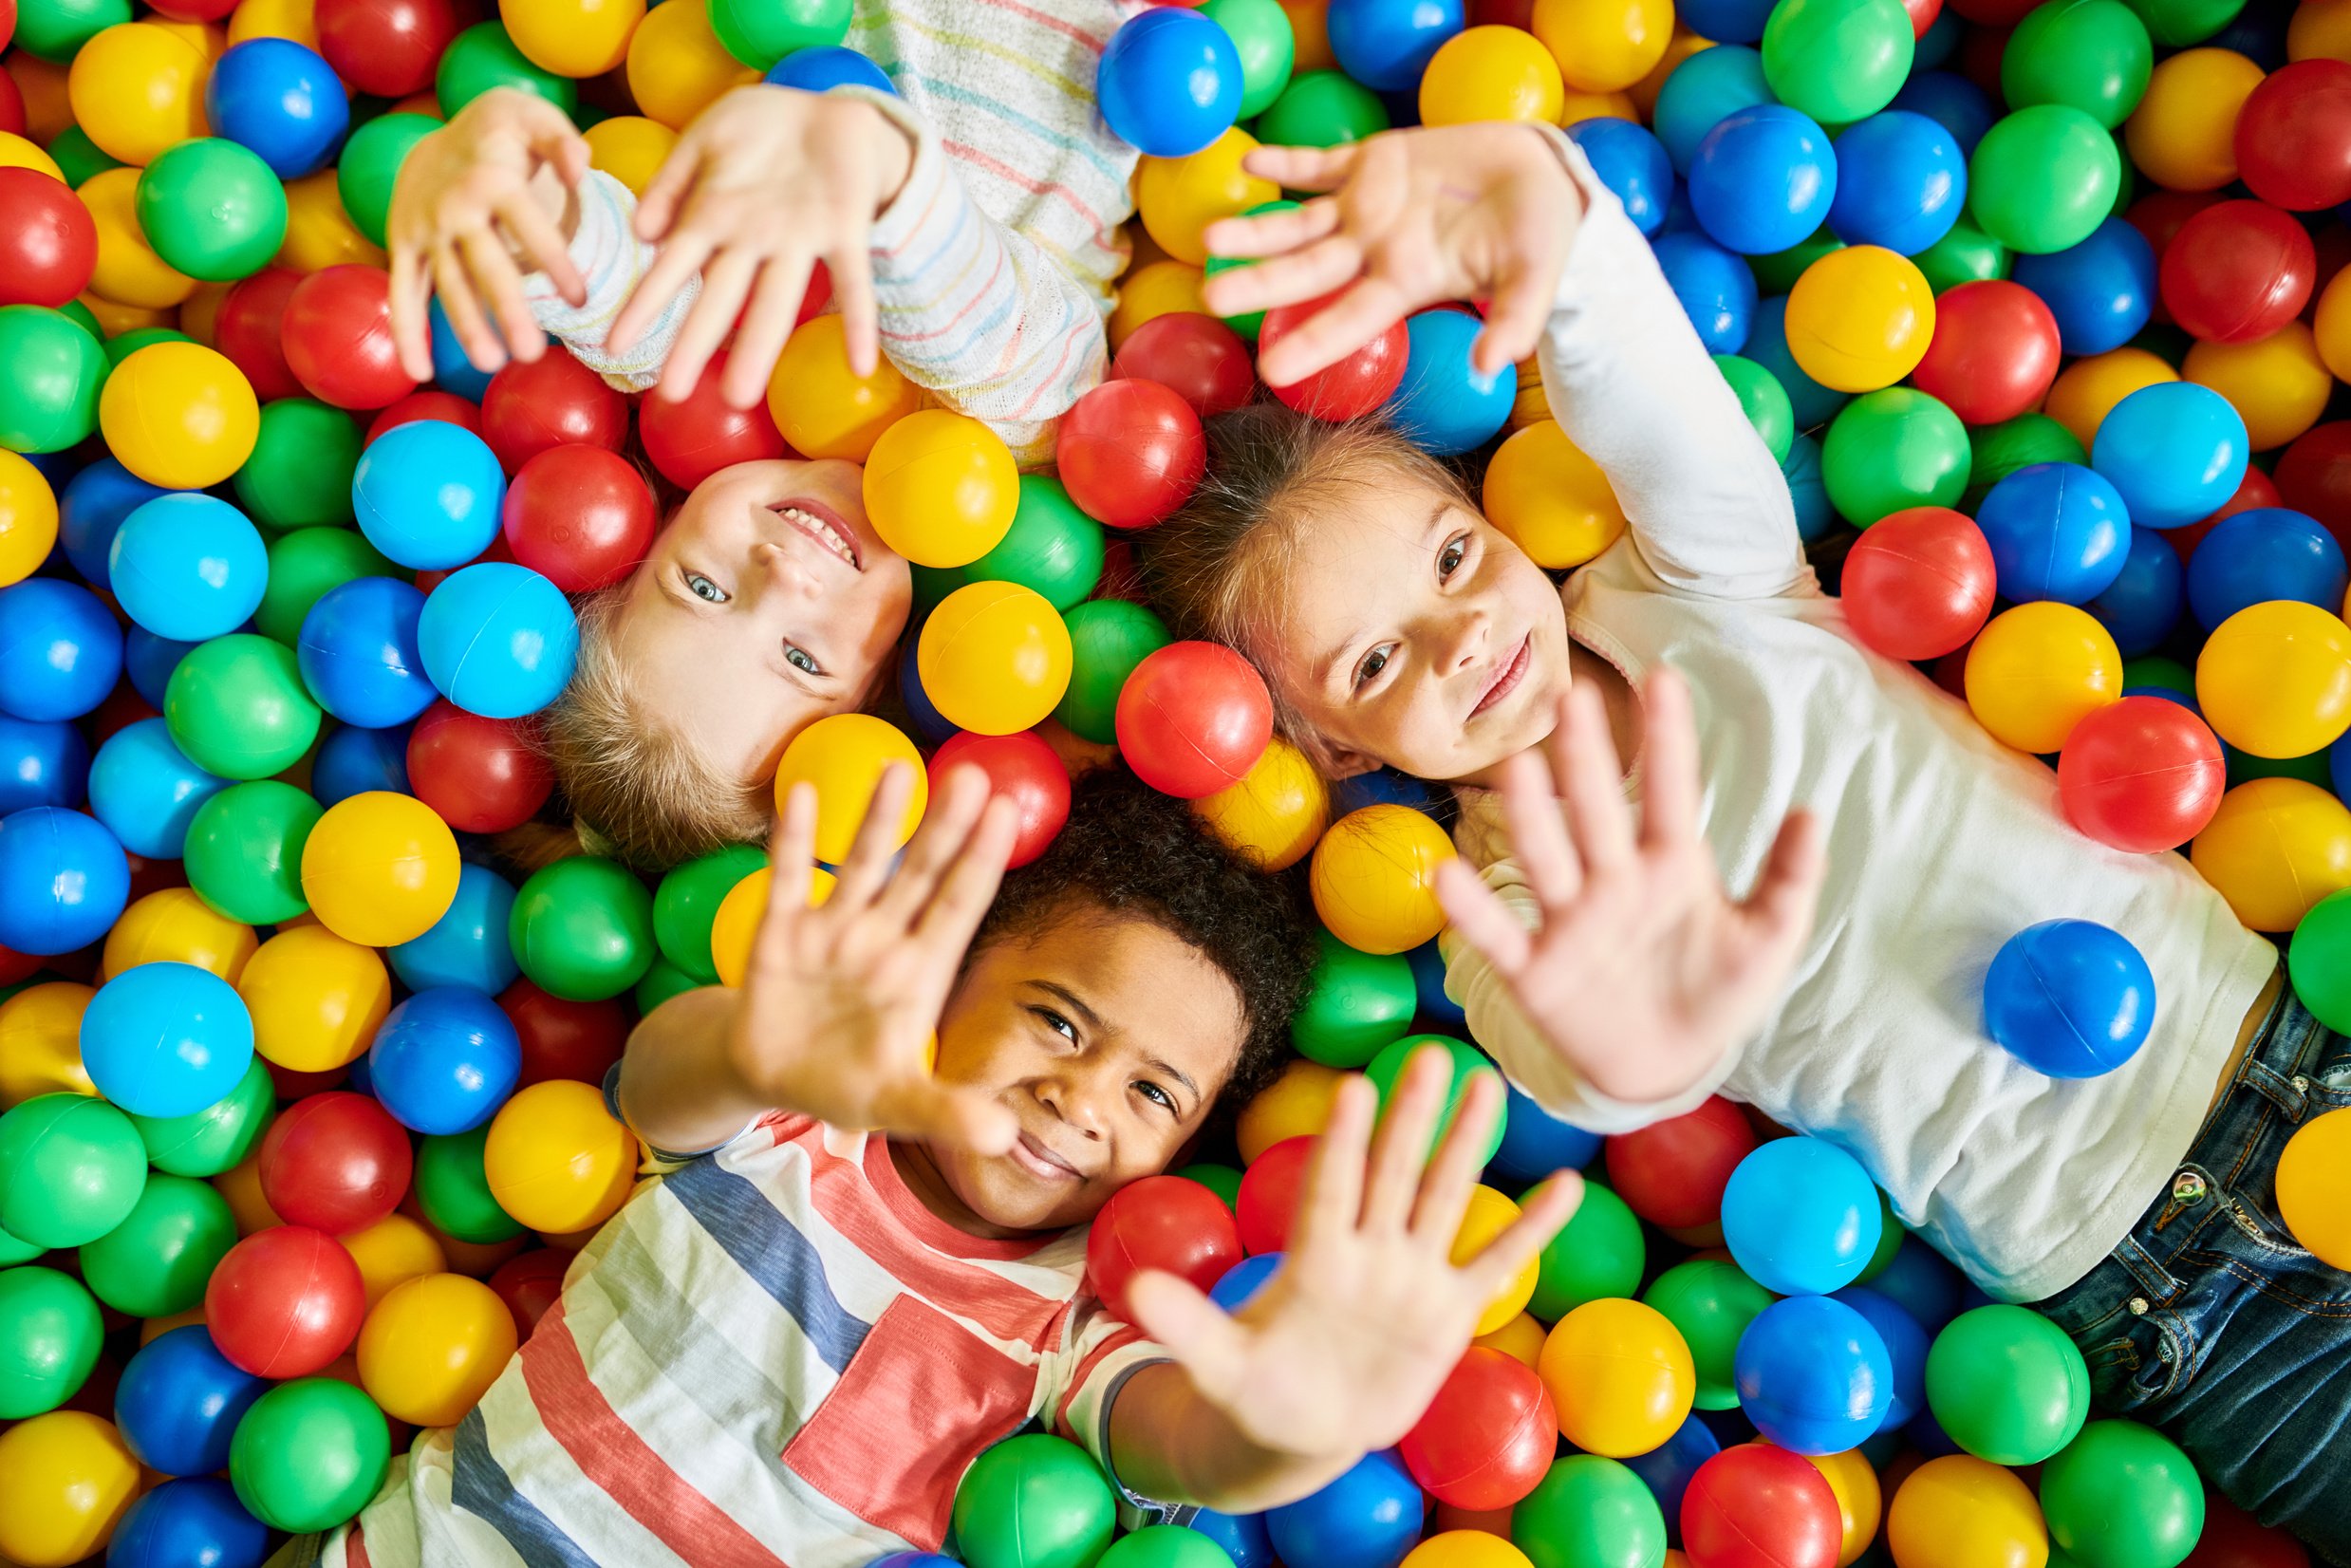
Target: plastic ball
pixel 358 653
pixel 133 283
pixel 1491 73
pixel 1356 384
pixel 1760 1506
pixel 180 1400
pixel 1020 767
pixel 194 1520
pixel 2237 272
pixel 2057 532
pixel 583 928
pixel 337 1162
pixel 1033 1502
pixel 1108 638
pixel 2101 292
pixel 1552 500
pixel 1763 178
pixel 280 100
pixel 136 89
pixel 1902 182
pixel 1702 91
pixel 379 868
pixel 1129 452
pixel 1632 163
pixel 1386 45
pixel 822 407
pixel 2311 1168
pixel 1619 1376
pixel 2275 679
pixel 1860 319
pixel 42 764
pixel 428 494
pixel 1800 1217
pixel 498 640
pixel 1711 1303
pixel 2123 1495
pixel 1193 354
pixel 65 1482
pixel 216 1137
pixel 1193 718
pixel 940 487
pixel 533 406
pixel 843 758
pixel 1169 82
pixel 1487 1438
pixel 1891 450
pixel 1373 878
pixel 2293 136
pixel 2278 386
pixel 213 209
pixel 166 1039
pixel 2141 775
pixel 49 1339
pixel 71 1170
pixel 243 851
pixel 556 1160
pixel 2263 555
pixel 1273 815
pixel 310 1454
pixel 1919 583
pixel 574 38
pixel 2069 997
pixel 482 776
pixel 1052 547
pixel 179 416
pixel 1369 1517
pixel 1162 1223
pixel 2274 849
pixel 1958 1510
pixel 1266 1203
pixel 2007 1384
pixel 1837 59
pixel 56 370
pixel 2044 178
pixel 51 243
pixel 338 338
pixel 690 440
pixel 1587 1509
pixel 687 904
pixel 146 792
pixel 2182 134
pixel 467 946
pixel 1442 405
pixel 676 65
pixel 2039 669
pixel 62 881
pixel 759 35
pixel 284 1301
pixel 580 517
pixel 433 1346
pixel 994 658
pixel 1814 1375
pixel 1993 354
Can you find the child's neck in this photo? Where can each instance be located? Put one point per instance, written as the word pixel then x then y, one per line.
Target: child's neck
pixel 1623 703
pixel 923 1178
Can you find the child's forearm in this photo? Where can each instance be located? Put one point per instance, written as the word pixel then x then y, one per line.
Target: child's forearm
pixel 1171 1444
pixel 680 1088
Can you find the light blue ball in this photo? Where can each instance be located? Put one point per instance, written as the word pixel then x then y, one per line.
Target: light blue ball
pixel 2058 531
pixel 1801 1216
pixel 358 653
pixel 1762 179
pixel 427 494
pixel 1813 1375
pixel 1441 404
pixel 64 879
pixel 90 511
pixel 1369 1517
pixel 2175 451
pixel 1386 45
pixel 146 792
pixel 823 66
pixel 2070 999
pixel 1169 82
pixel 1901 183
pixel 444 1060
pixel 498 640
pixel 166 1039
pixel 1243 1535
pixel 188 567
pixel 467 946
pixel 1702 92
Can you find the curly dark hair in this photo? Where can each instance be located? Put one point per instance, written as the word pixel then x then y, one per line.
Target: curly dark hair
pixel 1131 851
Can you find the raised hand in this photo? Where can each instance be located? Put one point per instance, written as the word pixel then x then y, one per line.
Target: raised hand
pixel 1409 218
pixel 479 202
pixel 1642 971
pixel 1345 1346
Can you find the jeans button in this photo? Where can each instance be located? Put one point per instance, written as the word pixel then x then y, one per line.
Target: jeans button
pixel 2138 1305
pixel 2301 1084
pixel 2188 1188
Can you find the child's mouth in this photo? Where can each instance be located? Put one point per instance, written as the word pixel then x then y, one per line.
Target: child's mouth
pixel 1040 1161
pixel 822 523
pixel 1506 678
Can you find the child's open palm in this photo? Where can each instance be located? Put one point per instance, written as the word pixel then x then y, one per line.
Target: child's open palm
pixel 1345 1346
pixel 1643 972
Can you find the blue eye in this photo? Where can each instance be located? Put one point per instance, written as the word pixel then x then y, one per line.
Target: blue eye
pixel 799 659
pixel 702 587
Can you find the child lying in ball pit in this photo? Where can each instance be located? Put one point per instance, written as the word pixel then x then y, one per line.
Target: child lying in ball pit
pixel 970 228
pixel 791 1347
pixel 1398 628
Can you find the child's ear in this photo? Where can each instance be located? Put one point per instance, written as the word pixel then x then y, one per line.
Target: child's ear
pixel 1338 762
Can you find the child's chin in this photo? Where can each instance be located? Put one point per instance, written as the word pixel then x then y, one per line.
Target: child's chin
pixel 1001 1193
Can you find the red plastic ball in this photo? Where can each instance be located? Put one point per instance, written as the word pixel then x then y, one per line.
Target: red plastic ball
pixel 2141 775
pixel 2314 476
pixel 2293 140
pixel 1919 582
pixel 292 1086
pixel 2158 215
pixel 428 403
pixel 553 401
pixel 1130 452
pixel 1487 1437
pixel 1671 1173
pixel 2256 490
pixel 1994 351
pixel 195 10
pixel 689 441
pixel 1193 718
pixel 1758 1506
pixel 284 1301
pixel 250 330
pixel 390 47
pixel 48 243
pixel 1270 1189
pixel 578 1041
pixel 529 1283
pixel 482 776
pixel 2234 1538
pixel 2237 272
pixel 1165 1223
pixel 338 338
pixel 337 1162
pixel 1922 15
pixel 1993 13
pixel 1022 767
pixel 580 517
pixel 1197 357
pixel 11 96
pixel 17 967
pixel 1360 383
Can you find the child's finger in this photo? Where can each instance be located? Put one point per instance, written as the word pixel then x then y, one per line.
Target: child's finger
pixel 543 242
pixel 1325 265
pixel 1332 1200
pixel 1669 791
pixel 1584 757
pixel 726 282
pixel 657 209
pixel 875 844
pixel 1515 313
pixel 1539 833
pixel 1400 1149
pixel 1544 1214
pixel 496 277
pixel 1270 234
pixel 957 802
pixel 1445 1185
pixel 760 342
pixel 1357 316
pixel 411 306
pixel 954 914
pixel 1210 1347
pixel 1479 918
pixel 791 858
pixel 853 290
pixel 482 348
pixel 1304 168
pixel 959 1118
pixel 680 258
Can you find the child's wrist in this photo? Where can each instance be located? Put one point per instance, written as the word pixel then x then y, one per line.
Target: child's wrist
pixel 894 150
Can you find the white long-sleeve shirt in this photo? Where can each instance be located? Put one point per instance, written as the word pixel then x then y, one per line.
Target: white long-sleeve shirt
pixel 1942 843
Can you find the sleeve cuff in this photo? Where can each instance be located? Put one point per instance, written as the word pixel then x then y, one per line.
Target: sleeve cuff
pixel 927 179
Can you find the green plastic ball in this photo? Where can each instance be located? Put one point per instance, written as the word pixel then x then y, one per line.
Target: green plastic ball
pixel 1599 1253
pixel 2154 669
pixel 156 1262
pixel 124 345
pixel 49 1334
pixel 1261 33
pixel 308 1454
pixel 1052 548
pixel 1108 638
pixel 1764 400
pixel 1222 1180
pixel 1777 272
pixel 1321 109
pixel 2174 23
pixel 1249 322
pixel 2044 178
pixel 583 928
pixel 304 567
pixel 369 165
pixel 1893 449
pixel 1034 1501
pixel 1468 1061
pixel 244 853
pixel 83 316
pixel 933 584
pixel 1837 59
pixel 1589 1512
pixel 2006 1385
pixel 56 30
pixel 1889 1234
pixel 2319 960
pixel 49 399
pixel 2093 55
pixel 662 981
pixel 1996 451
pixel 687 902
pixel 1165 1546
pixel 760 32
pixel 207 1142
pixel 1710 1302
pixel 454 1192
pixel 2123 1495
pixel 78 156
pixel 213 209
pixel 14 1250
pixel 1357 1003
pixel 71 1170
pixel 483 57
pixel 237 707
pixel 300 473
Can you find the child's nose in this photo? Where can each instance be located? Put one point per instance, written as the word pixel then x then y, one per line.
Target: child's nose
pixel 786 571
pixel 1470 632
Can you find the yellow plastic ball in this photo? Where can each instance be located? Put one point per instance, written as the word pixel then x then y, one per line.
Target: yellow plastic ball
pixel 1491 73
pixel 573 37
pixel 1620 1377
pixel 1521 1340
pixel 940 488
pixel 433 1346
pixel 1154 290
pixel 128 270
pixel 1964 1512
pixel 2313 1174
pixel 48 106
pixel 1575 106
pixel 2183 134
pixel 2086 391
pixel 2278 384
pixel 1860 318
pixel 1550 500
pixel 65 1480
pixel 2275 847
pixel 1273 815
pixel 824 408
pixel 1465 1549
pixel 1643 94
pixel 137 89
pixel 319 233
pixel 240 1187
pixel 2331 326
pixel 1488 1215
pixel 677 67
pixel 179 415
pixel 392 1251
pixel 316 998
pixel 2038 671
pixel 843 758
pixel 18 152
pixel 1859 1500
pixel 1604 46
pixel 173 925
pixel 2275 679
pixel 1374 878
pixel 994 658
pixel 2320 30
pixel 740 913
pixel 199 313
pixel 1296 1105
pixel 115 318
pixel 555 1158
pixel 1179 196
pixel 41 1042
pixel 379 868
pixel 1311 31
pixel 294 20
pixel 630 148
pixel 152 1329
pixel 28 518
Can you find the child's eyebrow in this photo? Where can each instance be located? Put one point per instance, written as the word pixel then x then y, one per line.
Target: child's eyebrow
pixel 1170 1070
pixel 1327 668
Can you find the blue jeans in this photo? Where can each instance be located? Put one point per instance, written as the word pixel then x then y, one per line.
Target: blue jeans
pixel 2212 1323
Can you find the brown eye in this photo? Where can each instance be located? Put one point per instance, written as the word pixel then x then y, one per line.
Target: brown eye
pixel 1449 559
pixel 1373 664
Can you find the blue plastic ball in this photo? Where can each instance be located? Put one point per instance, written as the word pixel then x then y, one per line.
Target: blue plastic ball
pixel 1906 1350
pixel 1922 1282
pixel 1243 1535
pixel 427 494
pixel 1813 1375
pixel 1386 45
pixel 1429 983
pixel 2101 291
pixel 1767 344
pixel 166 1039
pixel 934 727
pixel 2176 451
pixel 1369 1517
pixel 358 653
pixel 451 370
pixel 188 567
pixel 192 1522
pixel 1239 1286
pixel 2143 605
pixel 1442 405
pixel 1715 288
pixel 468 945
pixel 1702 92
pixel 1801 1216
pixel 1952 101
pixel 1902 182
pixel 43 762
pixel 59 650
pixel 498 640
pixel 2058 531
pixel 444 1060
pixel 353 760
pixel 281 101
pixel 1537 1144
pixel 91 508
pixel 2069 997
pixel 149 660
pixel 1169 82
pixel 1762 179
pixel 1725 22
pixel 64 879
pixel 146 792
pixel 1630 163
pixel 2269 553
pixel 180 1401
pixel 822 66
pixel 1381 787
pixel 1667 1468
pixel 1808 488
